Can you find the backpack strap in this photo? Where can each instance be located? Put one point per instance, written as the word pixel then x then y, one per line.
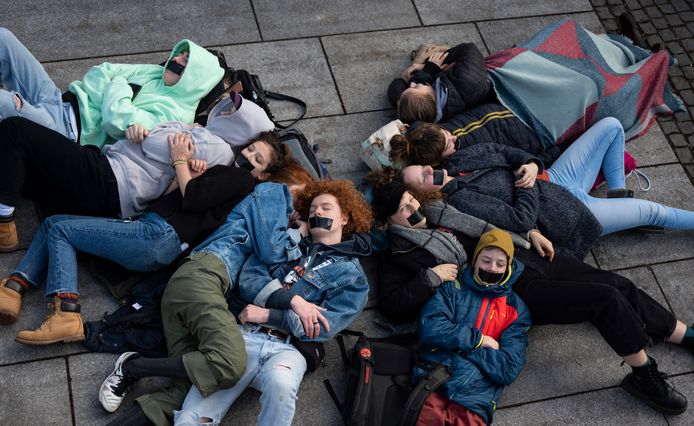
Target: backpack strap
pixel 333 395
pixel 292 99
pixel 428 384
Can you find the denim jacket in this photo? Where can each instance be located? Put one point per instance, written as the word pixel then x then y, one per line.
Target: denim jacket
pixel 334 280
pixel 252 227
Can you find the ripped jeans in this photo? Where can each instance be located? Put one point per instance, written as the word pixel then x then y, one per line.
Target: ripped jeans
pixel 275 368
pixel 27 91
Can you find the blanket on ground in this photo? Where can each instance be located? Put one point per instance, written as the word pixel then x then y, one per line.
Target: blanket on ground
pixel 565 79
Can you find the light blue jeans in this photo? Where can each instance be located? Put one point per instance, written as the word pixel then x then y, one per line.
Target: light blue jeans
pixel 602 147
pixel 146 244
pixel 22 75
pixel 274 367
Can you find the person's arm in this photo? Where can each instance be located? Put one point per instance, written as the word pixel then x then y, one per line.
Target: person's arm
pixel 342 304
pixel 438 328
pixel 118 111
pixel 469 75
pixel 502 366
pixel 519 217
pixel 217 186
pixel 487 155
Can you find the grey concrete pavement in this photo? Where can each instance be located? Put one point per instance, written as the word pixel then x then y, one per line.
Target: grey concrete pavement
pixel 339 58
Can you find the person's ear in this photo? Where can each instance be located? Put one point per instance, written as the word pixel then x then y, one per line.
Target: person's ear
pixel 345 219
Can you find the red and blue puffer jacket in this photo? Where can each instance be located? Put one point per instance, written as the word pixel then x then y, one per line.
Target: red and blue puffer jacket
pixel 451 327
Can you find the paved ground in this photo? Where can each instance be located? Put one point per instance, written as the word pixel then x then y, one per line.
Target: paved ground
pixel 339 57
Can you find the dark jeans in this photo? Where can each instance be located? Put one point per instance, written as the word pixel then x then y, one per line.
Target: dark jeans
pixel 568 291
pixel 45 166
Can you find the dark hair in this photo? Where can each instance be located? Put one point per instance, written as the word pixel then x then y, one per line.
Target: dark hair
pixel 280 152
pixel 413 107
pixel 424 145
pixel 351 202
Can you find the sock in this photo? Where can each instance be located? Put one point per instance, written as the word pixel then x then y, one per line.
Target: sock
pixel 688 339
pixel 20 279
pixel 6 210
pixel 70 297
pixel 648 363
pixel 140 367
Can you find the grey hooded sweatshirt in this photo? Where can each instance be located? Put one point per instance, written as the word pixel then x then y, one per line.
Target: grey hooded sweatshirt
pixel 143 171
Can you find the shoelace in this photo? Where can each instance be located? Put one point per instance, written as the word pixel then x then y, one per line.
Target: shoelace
pixel 125 383
pixel 646 186
pixel 659 381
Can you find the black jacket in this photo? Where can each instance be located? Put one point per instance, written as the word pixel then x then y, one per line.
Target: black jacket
pixel 494 123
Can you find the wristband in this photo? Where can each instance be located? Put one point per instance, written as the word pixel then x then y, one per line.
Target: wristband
pixel 177 162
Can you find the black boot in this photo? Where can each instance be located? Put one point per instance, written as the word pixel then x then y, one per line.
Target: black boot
pixel 649 385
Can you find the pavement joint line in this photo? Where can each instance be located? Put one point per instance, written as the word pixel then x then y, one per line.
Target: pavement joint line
pixel 49 358
pixel 648 265
pixel 416 10
pixel 69 390
pixel 332 75
pixel 257 23
pixel 660 287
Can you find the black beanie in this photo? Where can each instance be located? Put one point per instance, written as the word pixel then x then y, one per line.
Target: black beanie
pixel 387 200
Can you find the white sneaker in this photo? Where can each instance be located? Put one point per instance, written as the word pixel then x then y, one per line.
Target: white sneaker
pixel 114 388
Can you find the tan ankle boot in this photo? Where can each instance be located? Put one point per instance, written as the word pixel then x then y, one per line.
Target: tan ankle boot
pixel 10 300
pixel 8 235
pixel 63 325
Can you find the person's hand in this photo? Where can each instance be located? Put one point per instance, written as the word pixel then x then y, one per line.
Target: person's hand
pixel 310 316
pixel 438 58
pixel 446 271
pixel 197 167
pixel 181 146
pixel 527 173
pixel 409 71
pixel 136 133
pixel 543 246
pixel 488 342
pixel 254 314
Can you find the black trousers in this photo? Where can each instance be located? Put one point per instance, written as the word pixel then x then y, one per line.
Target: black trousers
pixel 568 291
pixel 62 176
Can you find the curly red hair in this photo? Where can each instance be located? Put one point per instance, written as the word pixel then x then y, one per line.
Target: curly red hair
pixel 351 202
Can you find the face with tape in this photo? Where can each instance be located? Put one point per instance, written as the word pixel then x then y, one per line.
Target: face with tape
pixel 409 213
pixel 175 67
pixel 490 266
pixel 423 178
pixel 256 158
pixel 325 216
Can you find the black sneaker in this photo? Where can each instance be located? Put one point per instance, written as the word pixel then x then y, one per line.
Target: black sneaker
pixel 650 385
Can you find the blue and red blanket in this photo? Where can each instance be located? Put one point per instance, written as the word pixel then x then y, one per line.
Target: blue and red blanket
pixel 565 78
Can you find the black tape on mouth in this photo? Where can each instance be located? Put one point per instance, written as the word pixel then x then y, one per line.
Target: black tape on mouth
pixel 438 177
pixel 175 67
pixel 320 222
pixel 490 277
pixel 415 218
pixel 243 162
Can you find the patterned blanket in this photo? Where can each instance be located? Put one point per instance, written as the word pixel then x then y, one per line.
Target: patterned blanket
pixel 565 78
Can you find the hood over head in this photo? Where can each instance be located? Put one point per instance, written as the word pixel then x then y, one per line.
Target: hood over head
pixel 202 69
pixel 241 125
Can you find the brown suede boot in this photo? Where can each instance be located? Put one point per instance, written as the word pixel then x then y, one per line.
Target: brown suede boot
pixel 64 324
pixel 8 234
pixel 10 300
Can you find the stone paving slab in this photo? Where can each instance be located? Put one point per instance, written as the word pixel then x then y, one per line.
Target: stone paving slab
pixel 37 384
pixel 364 64
pixel 100 28
pixel 670 186
pixel 296 68
pixel 605 407
pixel 677 281
pixel 435 12
pixel 339 140
pixel 305 18
pixel 503 34
pixel 651 149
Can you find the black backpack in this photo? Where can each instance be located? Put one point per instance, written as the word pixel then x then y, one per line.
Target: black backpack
pixel 379 389
pixel 136 326
pixel 304 153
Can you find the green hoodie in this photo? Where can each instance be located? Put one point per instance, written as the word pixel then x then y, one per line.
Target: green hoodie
pixel 107 107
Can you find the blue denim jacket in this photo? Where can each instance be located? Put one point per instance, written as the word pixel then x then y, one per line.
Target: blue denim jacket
pixel 258 224
pixel 340 286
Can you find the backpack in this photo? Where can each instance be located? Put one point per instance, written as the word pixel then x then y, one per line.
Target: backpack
pixel 250 87
pixel 304 153
pixel 379 389
pixel 136 326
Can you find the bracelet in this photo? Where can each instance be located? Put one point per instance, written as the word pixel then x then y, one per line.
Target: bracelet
pixel 177 162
